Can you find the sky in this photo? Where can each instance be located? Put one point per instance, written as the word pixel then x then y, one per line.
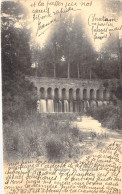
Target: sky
pixel 90 16
pixel 95 28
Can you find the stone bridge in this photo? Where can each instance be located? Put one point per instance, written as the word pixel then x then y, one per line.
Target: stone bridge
pixel 69 95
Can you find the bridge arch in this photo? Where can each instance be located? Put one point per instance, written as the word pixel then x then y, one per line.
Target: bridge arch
pixel 42 93
pixel 92 94
pixel 71 94
pixel 85 94
pixel 98 96
pixel 78 94
pixel 56 93
pixel 64 94
pixel 49 93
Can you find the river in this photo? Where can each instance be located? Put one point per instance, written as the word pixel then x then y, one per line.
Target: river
pixel 94 135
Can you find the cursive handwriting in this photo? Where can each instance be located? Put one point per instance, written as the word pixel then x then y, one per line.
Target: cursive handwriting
pixel 102 27
pixel 96 173
pixel 47 12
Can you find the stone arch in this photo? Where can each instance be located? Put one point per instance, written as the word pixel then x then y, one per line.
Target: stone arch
pixel 105 94
pixel 84 94
pixel 77 94
pixel 49 93
pixel 56 94
pixel 42 93
pixel 98 96
pixel 64 94
pixel 92 94
pixel 71 94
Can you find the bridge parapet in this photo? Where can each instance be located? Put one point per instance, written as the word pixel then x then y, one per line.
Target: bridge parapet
pixel 64 88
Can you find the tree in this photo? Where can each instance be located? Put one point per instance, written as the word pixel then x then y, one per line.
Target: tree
pixel 16 61
pixel 67 41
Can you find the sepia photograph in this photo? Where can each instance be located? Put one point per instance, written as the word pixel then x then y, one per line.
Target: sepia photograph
pixel 61 64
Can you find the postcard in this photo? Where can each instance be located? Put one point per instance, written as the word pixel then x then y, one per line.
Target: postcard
pixel 61 96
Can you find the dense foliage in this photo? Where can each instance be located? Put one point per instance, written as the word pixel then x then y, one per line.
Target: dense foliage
pixel 68 44
pixel 108 116
pixel 50 137
pixel 18 93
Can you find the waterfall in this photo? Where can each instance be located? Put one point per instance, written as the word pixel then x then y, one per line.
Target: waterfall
pixel 81 106
pixel 86 105
pixel 55 106
pixel 66 106
pixel 77 106
pixel 71 106
pixel 100 103
pixel 93 103
pixel 50 106
pixel 43 108
pixel 60 106
pixel 105 103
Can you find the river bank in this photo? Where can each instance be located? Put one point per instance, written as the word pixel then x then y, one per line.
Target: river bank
pixel 57 137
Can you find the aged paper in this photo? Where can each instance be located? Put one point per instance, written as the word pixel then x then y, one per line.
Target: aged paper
pixel 96 173
pixel 62 96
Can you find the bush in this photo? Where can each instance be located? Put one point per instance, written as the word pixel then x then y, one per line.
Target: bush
pixel 54 148
pixel 40 135
pixel 109 116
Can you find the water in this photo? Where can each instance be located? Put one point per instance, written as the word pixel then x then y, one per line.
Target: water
pixel 105 102
pixel 60 106
pixel 100 103
pixel 81 106
pixel 86 105
pixel 89 125
pixel 50 106
pixel 43 107
pixel 71 106
pixel 55 106
pixel 66 106
pixel 77 106
pixel 93 103
pixel 87 122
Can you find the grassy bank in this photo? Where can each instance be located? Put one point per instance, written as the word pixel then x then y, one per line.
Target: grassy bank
pixel 41 135
pixel 52 135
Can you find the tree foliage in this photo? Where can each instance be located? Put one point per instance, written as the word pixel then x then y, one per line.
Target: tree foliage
pixel 68 39
pixel 16 61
